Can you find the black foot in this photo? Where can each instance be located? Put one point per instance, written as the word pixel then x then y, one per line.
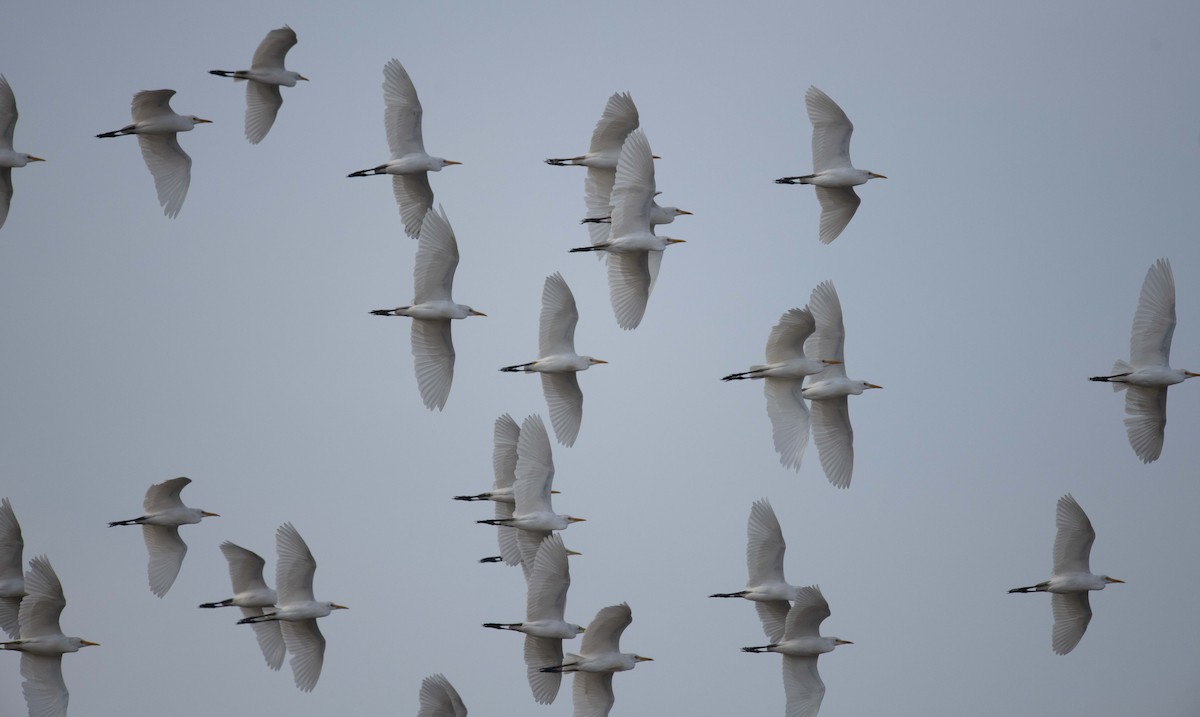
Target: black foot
pixel 492 559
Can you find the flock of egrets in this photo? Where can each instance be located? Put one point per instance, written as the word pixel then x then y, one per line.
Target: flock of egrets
pixel 804 379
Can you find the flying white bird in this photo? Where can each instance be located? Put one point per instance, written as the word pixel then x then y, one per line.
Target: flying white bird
pixel 783 374
pixel 42 642
pixel 9 158
pixel 833 174
pixel 165 512
pixel 599 657
pixel 533 516
pixel 251 594
pixel 504 464
pixel 264 77
pixel 440 699
pixel 828 390
pixel 156 126
pixel 634 250
pixel 433 308
pixel 801 643
pixel 297 609
pixel 558 363
pixel 409 165
pixel 764 561
pixel 599 227
pixel 544 626
pixel 12 581
pixel 1149 373
pixel 1071 578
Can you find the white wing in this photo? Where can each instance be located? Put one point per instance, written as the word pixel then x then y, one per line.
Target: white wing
pixel 803 686
pixel 828 340
pixel 510 549
pixel 787 337
pixel 401 111
pixel 619 119
pixel 593 694
pixel 437 259
pixel 549 579
pixel 831 131
pixel 504 452
pixel 440 699
pixel 433 354
pixel 597 196
pixel 245 567
pixel 764 545
pixel 414 196
pixel 556 325
pixel 171 168
pixel 45 691
pixel 269 637
pixel 565 402
pixel 1154 320
pixel 543 652
pixel 633 188
pixel 789 419
pixel 773 616
pixel 834 438
pixel 149 104
pixel 1073 541
pixel 810 608
pixel 535 468
pixel 6 192
pixel 1072 613
pixel 1146 418
pixel 8 114
pixel 166 550
pixel 164 496
pixel 273 48
pixel 529 542
pixel 604 632
pixel 263 101
pixel 307 645
pixel 629 284
pixel 12 547
pixel 838 205
pixel 43 602
pixel 294 568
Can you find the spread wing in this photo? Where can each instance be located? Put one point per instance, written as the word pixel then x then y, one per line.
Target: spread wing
pixel 764 545
pixel 269 637
pixel 433 359
pixel 8 114
pixel 838 205
pixel 834 438
pixel 263 101
pixel 166 550
pixel 43 602
pixel 1073 541
pixel 440 699
pixel 245 567
pixel 789 419
pixel 619 119
pixel 633 189
pixel 294 568
pixel 414 196
pixel 401 111
pixel 807 613
pixel 1072 613
pixel 504 451
pixel 1154 320
pixel 148 104
pixel 437 259
pixel 556 325
pixel 604 632
pixel 535 468
pixel 543 652
pixel 307 645
pixel 787 337
pixel 1145 420
pixel 45 692
pixel 828 339
pixel 831 131
pixel 164 496
pixel 593 694
pixel 629 284
pixel 171 168
pixel 273 48
pixel 803 686
pixel 565 402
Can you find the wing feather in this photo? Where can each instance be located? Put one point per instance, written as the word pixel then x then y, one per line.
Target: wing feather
pixel 44 688
pixel 556 325
pixel 307 645
pixel 789 419
pixel 803 686
pixel 565 402
pixel 831 131
pixel 1145 420
pixel 166 550
pixel 294 567
pixel 1072 613
pixel 440 699
pixel 274 47
pixel 834 437
pixel 402 111
pixel 543 652
pixel 433 359
pixel 263 101
pixel 437 259
pixel 1154 320
pixel 838 205
pixel 593 694
pixel 171 168
pixel 629 284
pixel 807 613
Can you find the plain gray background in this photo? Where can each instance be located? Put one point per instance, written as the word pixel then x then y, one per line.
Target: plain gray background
pixel 1040 157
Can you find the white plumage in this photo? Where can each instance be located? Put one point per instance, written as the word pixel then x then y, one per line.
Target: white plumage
pixel 254 598
pixel 410 164
pixel 558 363
pixel 833 174
pixel 9 158
pixel 440 699
pixel 266 74
pixel 165 512
pixel 599 657
pixel 156 126
pixel 1071 578
pixel 433 308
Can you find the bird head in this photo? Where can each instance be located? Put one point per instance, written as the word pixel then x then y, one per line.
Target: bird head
pixel 80 642
pixel 447 163
pixel 866 385
pixel 573 519
pixel 335 606
pixel 31 158
pixel 680 212
pixel 473 312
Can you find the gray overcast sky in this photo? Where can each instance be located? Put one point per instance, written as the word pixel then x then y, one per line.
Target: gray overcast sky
pixel 1040 157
